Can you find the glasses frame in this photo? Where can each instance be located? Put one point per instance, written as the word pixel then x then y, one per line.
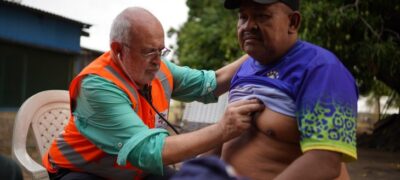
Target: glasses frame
pixel 154 53
pixel 160 52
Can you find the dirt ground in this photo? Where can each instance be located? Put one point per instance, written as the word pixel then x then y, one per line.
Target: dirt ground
pixel 373 164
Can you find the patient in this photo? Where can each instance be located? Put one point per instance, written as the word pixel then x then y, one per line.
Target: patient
pixel 307 129
pixel 273 142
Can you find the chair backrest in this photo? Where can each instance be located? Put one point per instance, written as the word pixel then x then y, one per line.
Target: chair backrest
pixel 47 113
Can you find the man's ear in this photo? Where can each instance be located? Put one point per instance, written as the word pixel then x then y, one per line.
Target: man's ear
pixel 116 49
pixel 294 23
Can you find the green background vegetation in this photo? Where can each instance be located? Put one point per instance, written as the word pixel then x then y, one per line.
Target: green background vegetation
pixel 363 34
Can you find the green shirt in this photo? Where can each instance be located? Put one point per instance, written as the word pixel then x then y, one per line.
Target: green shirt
pixel 105 116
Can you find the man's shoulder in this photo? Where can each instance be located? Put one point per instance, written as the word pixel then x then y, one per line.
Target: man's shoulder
pixel 94 80
pixel 248 67
pixel 325 61
pixel 318 55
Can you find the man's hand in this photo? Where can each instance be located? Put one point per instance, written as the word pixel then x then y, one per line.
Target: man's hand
pixel 237 118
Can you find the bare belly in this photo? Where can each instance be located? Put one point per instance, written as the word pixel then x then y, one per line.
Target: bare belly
pixel 266 149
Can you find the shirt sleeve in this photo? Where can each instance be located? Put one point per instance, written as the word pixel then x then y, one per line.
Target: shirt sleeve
pixel 191 84
pixel 327 109
pixel 104 115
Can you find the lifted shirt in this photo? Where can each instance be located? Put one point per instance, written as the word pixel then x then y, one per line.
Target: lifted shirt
pixel 323 91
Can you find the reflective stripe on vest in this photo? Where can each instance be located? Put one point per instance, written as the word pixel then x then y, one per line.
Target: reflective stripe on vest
pixel 111 172
pixel 73 151
pixel 161 76
pixel 165 84
pixel 131 90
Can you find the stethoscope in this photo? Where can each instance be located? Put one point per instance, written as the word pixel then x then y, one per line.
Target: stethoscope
pixel 146 93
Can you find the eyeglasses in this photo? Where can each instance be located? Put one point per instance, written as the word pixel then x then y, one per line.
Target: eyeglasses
pixel 157 53
pixel 153 53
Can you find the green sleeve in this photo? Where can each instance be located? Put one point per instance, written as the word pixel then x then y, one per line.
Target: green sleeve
pixel 104 115
pixel 191 84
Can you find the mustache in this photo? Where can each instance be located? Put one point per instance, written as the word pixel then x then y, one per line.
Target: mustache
pixel 156 68
pixel 251 35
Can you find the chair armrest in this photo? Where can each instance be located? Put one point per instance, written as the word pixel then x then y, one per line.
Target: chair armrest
pixel 22 157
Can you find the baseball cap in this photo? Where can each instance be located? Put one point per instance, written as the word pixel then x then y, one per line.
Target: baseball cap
pixel 233 4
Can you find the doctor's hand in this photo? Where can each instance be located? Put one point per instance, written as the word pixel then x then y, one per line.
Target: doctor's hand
pixel 237 117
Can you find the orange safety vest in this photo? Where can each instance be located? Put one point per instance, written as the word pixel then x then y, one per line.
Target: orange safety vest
pixel 71 150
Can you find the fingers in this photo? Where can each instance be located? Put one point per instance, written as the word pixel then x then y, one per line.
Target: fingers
pixel 244 110
pixel 243 102
pixel 246 119
pixel 247 107
pixel 238 117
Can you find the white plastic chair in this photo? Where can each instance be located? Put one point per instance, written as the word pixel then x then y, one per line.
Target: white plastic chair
pixel 47 112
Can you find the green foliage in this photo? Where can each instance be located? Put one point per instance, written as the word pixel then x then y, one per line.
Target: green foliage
pixel 208 39
pixel 363 34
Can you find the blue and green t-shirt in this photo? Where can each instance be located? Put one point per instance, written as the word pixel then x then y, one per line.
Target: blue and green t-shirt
pixel 323 91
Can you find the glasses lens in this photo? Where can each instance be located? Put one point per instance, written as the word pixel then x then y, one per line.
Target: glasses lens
pixel 164 52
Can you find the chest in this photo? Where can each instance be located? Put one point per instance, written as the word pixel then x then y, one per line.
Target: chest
pixel 277 126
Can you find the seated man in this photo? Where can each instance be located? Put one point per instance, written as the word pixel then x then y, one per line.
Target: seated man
pixel 307 129
pixel 120 101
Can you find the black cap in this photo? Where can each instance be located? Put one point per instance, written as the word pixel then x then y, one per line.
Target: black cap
pixel 233 4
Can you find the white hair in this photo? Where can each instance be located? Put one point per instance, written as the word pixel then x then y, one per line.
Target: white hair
pixel 120 29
